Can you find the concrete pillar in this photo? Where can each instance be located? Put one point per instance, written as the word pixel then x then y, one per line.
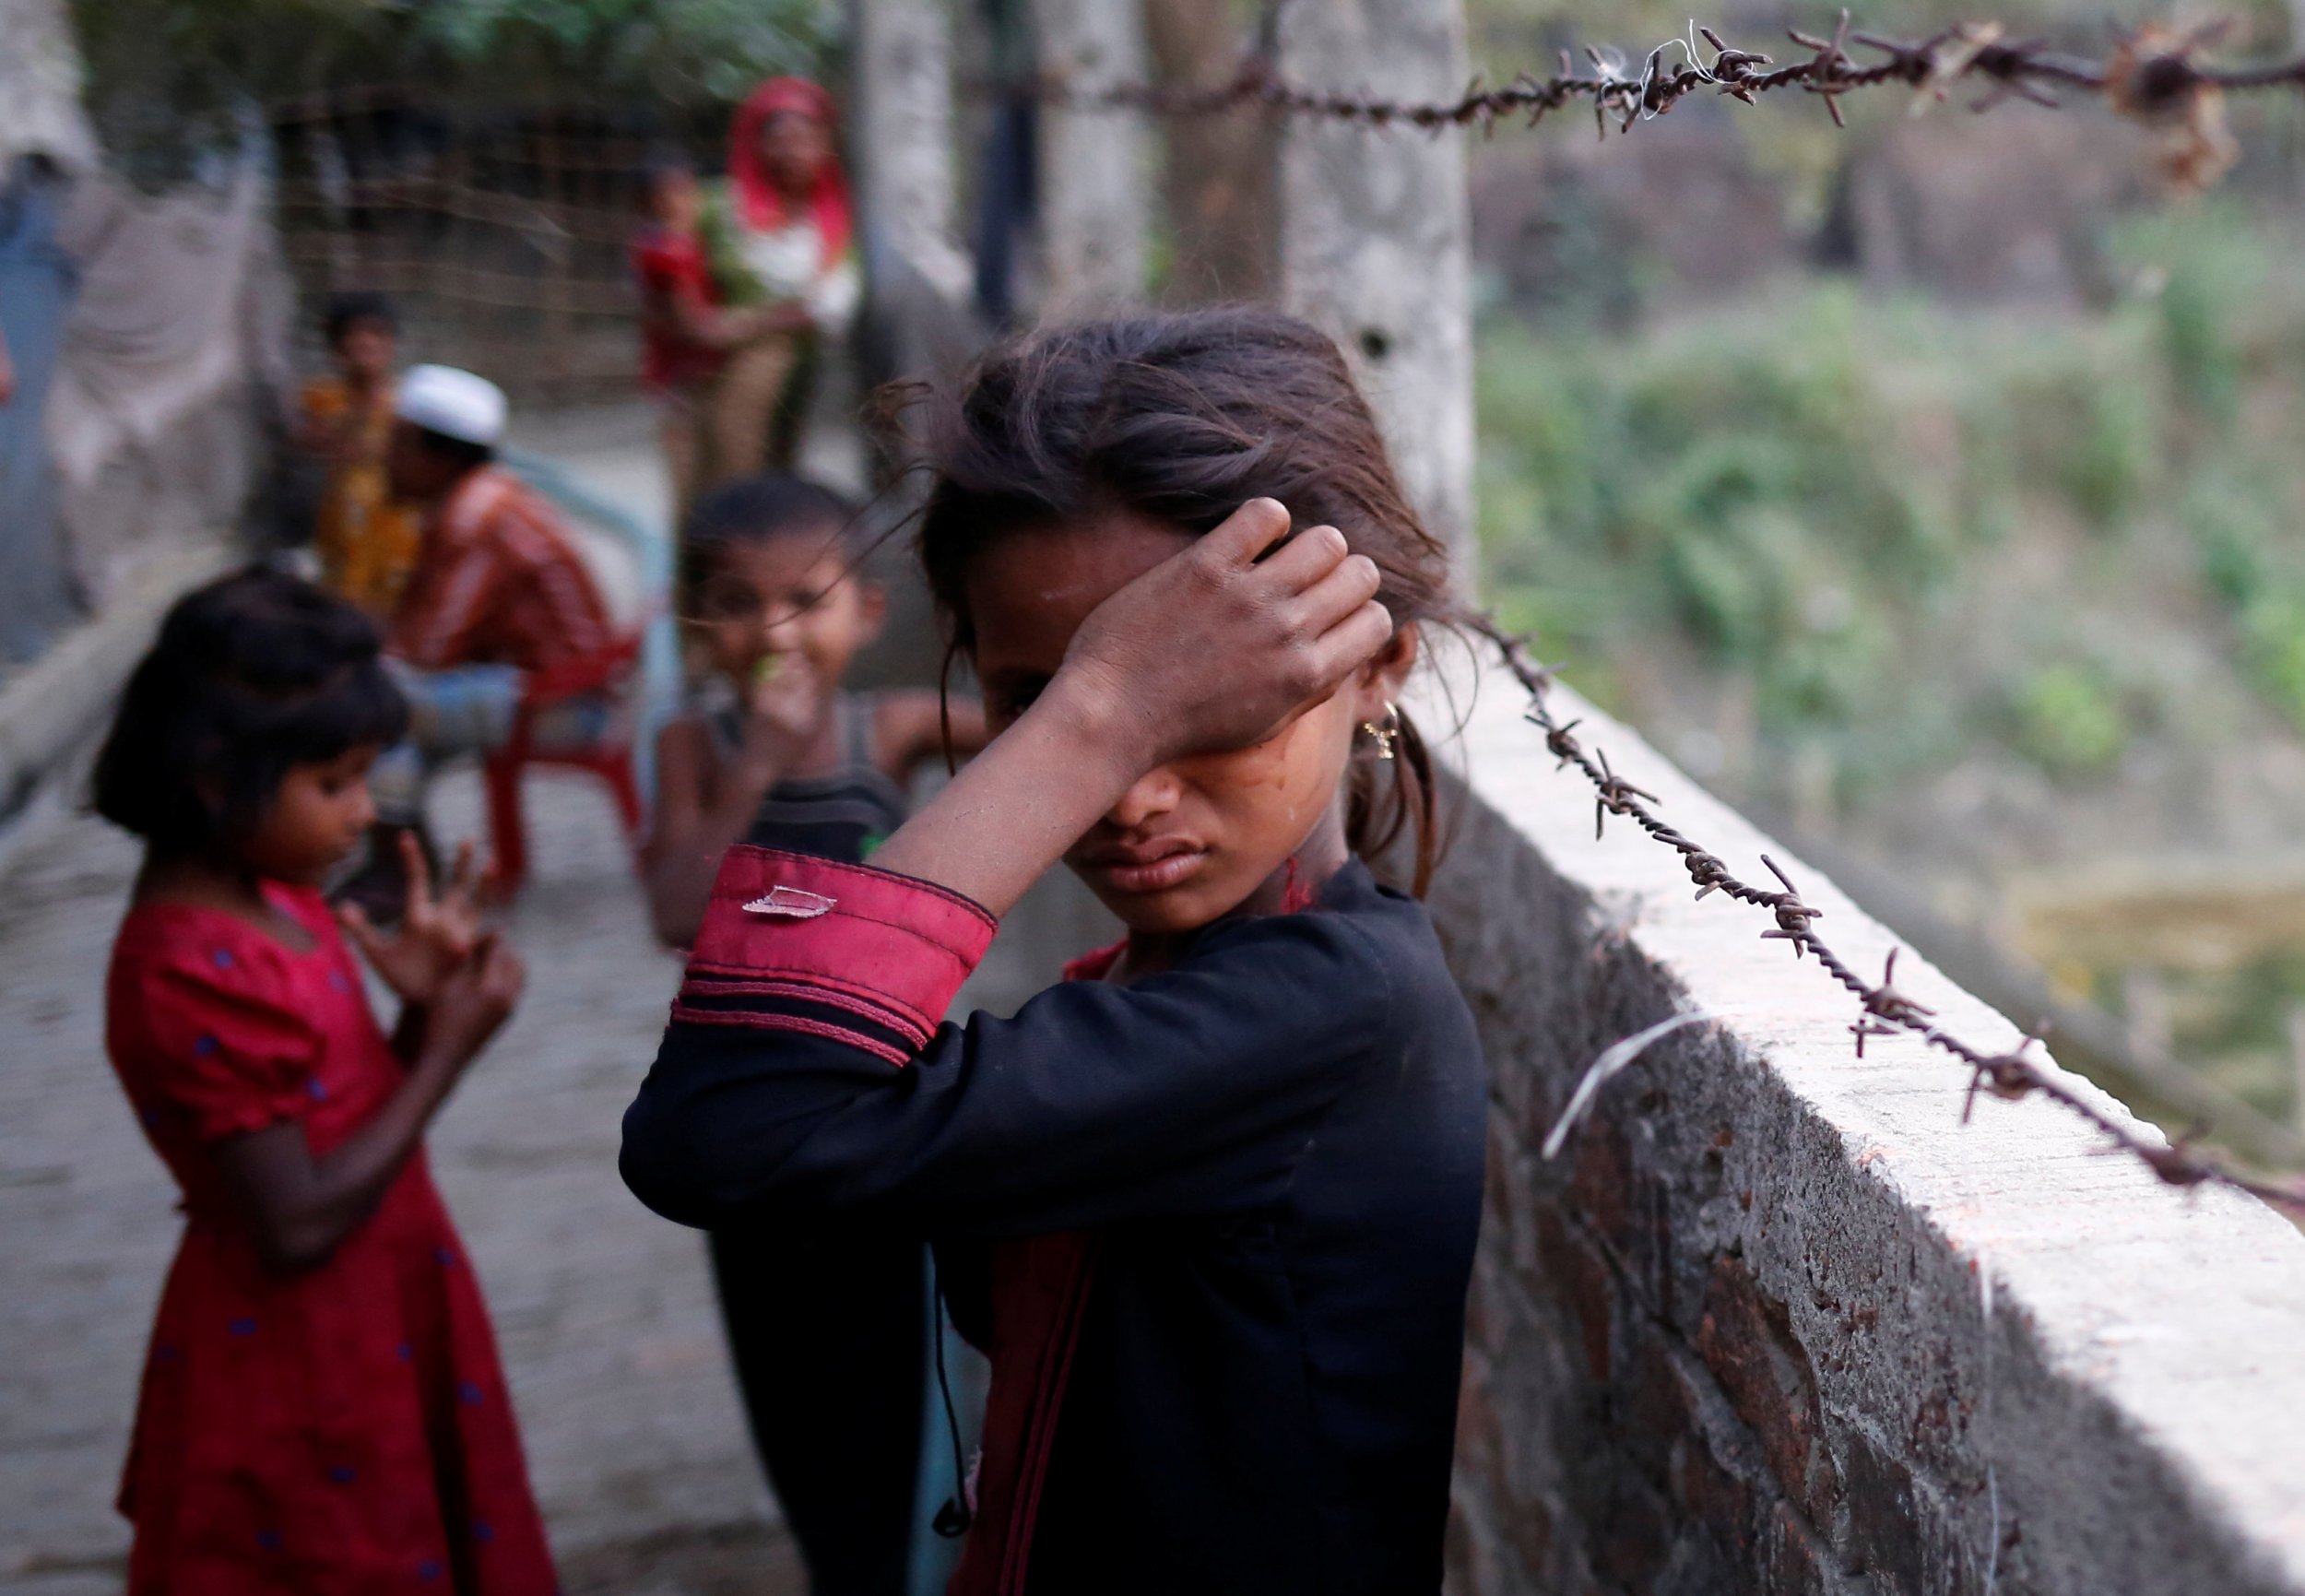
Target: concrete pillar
pixel 1218 172
pixel 1094 202
pixel 1376 234
pixel 905 142
pixel 905 152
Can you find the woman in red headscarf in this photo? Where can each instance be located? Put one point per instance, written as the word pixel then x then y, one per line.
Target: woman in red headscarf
pixel 779 234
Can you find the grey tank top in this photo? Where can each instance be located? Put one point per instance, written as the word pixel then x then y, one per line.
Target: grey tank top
pixel 844 813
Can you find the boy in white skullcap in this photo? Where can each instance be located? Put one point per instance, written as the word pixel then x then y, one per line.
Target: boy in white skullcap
pixel 499 593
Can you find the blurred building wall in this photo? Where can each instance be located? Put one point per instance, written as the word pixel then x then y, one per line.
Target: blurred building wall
pixel 146 337
pixel 36 283
pixel 45 138
pixel 150 334
pixel 167 392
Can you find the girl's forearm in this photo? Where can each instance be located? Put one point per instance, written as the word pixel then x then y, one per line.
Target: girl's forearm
pixel 1014 809
pixel 408 1033
pixel 304 1208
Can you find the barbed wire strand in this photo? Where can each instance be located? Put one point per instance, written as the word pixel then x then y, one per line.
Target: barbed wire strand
pixel 1883 1010
pixel 2152 76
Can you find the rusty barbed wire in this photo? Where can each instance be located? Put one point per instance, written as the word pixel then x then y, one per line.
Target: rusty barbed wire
pixel 2152 77
pixel 1884 1010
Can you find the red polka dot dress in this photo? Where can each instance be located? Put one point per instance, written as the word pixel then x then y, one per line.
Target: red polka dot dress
pixel 341 1432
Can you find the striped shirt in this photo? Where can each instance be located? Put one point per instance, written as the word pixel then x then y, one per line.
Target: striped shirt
pixel 498 582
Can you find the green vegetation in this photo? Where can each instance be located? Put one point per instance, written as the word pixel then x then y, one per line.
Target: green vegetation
pixel 1905 531
pixel 168 78
pixel 2069 721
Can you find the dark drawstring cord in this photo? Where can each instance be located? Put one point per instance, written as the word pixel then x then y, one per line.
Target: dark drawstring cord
pixel 953 1518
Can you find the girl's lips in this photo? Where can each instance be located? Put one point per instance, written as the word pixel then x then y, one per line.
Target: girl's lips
pixel 1124 875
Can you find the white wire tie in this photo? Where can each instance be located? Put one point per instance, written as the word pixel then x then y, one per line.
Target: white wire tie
pixel 791 904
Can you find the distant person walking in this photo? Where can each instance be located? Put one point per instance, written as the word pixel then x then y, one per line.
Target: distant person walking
pixel 779 235
pixel 323 1412
pixel 366 543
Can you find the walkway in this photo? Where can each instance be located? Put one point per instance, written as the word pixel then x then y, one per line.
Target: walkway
pixel 604 1311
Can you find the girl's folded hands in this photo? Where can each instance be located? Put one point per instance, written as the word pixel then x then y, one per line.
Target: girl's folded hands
pixel 435 936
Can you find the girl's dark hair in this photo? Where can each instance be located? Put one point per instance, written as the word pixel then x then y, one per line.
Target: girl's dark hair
pixel 754 510
pixel 355 305
pixel 255 673
pixel 1183 419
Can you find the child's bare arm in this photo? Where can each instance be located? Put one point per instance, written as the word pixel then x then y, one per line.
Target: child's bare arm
pixel 704 806
pixel 1217 648
pixel 301 1208
pixel 908 731
pixel 679 833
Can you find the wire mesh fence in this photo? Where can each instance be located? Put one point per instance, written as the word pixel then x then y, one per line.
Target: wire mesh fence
pixel 499 231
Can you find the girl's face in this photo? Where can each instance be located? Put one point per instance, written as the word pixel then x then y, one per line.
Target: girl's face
pixel 673 200
pixel 314 822
pixel 1192 841
pixel 793 593
pixel 366 346
pixel 795 148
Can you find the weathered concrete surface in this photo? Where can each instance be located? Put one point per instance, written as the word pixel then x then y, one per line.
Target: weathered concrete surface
pixel 1094 165
pixel 1776 1320
pixel 901 65
pixel 1376 234
pixel 603 1311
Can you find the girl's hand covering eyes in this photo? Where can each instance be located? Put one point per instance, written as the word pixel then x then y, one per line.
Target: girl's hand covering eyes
pixel 436 934
pixel 1225 644
pixel 1219 647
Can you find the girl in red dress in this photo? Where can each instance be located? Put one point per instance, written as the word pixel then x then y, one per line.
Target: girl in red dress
pixel 322 1413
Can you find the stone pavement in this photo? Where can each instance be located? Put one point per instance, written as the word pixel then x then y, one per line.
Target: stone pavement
pixel 604 1312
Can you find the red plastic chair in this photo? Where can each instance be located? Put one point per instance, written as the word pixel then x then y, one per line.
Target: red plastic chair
pixel 610 758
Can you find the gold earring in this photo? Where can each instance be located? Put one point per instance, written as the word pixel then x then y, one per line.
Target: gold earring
pixel 1382 734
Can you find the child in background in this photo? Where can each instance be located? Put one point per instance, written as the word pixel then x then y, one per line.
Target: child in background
pixel 827 1329
pixel 776 751
pixel 321 1414
pixel 780 235
pixel 366 543
pixel 1209 1206
pixel 685 336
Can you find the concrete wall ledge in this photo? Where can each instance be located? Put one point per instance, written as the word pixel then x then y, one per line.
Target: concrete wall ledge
pixel 1775 1320
pixel 52 707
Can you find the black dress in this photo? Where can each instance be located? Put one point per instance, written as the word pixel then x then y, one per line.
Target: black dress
pixel 826 1325
pixel 1214 1227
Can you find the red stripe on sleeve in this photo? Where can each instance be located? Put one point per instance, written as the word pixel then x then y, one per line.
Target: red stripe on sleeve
pixel 905 945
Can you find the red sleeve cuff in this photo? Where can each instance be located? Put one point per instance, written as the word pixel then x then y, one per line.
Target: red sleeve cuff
pixel 796 943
